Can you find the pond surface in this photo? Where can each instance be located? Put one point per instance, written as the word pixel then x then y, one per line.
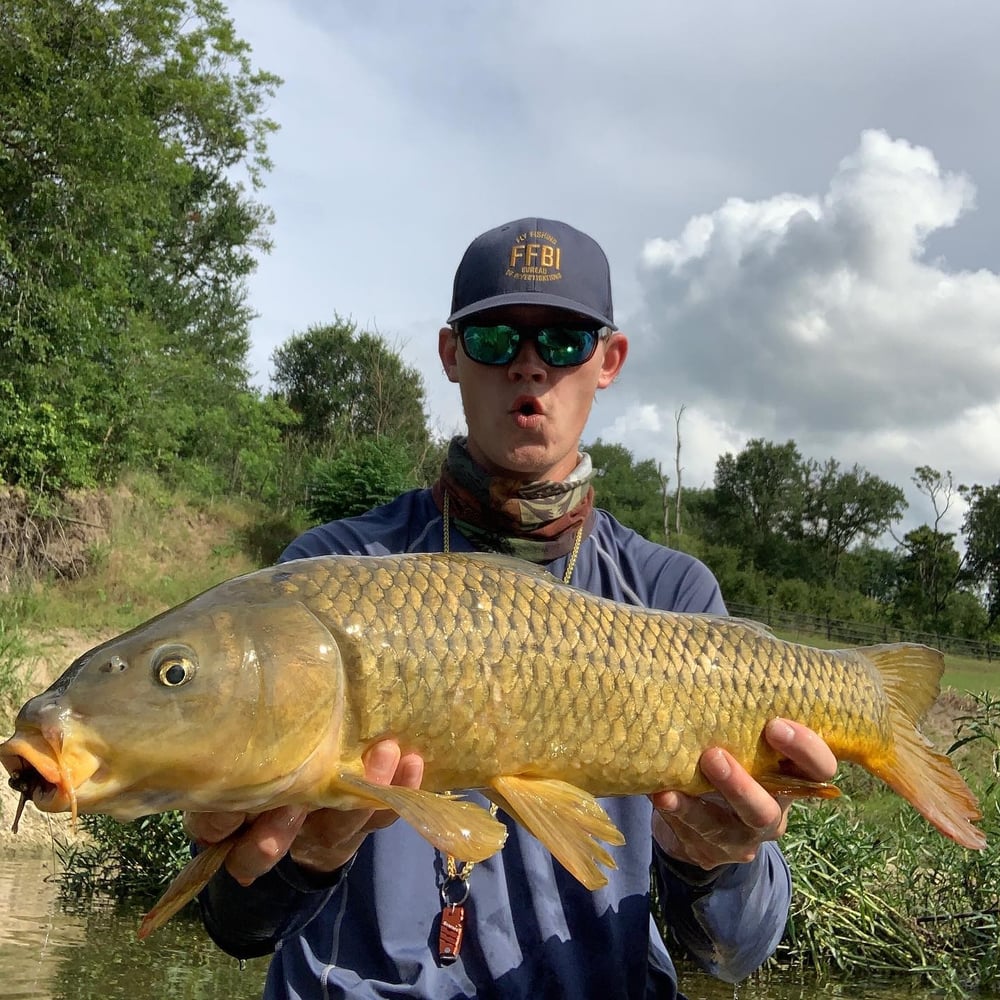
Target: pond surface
pixel 51 952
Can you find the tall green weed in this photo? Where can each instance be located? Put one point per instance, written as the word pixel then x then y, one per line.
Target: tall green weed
pixel 878 892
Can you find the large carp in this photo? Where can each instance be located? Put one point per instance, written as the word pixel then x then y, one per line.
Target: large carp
pixel 267 690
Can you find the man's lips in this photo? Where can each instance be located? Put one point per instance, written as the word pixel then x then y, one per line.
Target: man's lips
pixel 527 406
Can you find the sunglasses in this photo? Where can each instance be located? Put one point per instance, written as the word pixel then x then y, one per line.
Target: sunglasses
pixel 558 346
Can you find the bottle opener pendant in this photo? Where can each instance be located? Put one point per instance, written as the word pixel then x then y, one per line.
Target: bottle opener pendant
pixel 454 893
pixel 451 933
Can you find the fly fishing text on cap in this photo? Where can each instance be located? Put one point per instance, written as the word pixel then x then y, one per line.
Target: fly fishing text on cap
pixel 534 262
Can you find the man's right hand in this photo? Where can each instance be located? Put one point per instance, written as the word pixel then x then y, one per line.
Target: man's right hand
pixel 320 841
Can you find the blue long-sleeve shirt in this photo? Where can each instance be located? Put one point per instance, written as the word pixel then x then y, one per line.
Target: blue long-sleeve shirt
pixel 532 930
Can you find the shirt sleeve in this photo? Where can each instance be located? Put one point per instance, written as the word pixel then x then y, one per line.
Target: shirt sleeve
pixel 729 920
pixel 249 921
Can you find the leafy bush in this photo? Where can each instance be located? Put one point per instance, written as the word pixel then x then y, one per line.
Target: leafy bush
pixel 369 472
pixel 44 446
pixel 136 859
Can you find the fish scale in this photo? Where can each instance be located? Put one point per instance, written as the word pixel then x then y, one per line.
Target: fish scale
pixel 268 689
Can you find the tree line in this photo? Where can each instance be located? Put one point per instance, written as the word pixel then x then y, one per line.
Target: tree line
pixel 133 148
pixel 796 533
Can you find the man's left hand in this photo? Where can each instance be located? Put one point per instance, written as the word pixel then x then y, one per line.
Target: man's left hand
pixel 729 824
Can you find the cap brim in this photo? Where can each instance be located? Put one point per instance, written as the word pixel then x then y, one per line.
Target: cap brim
pixel 531 299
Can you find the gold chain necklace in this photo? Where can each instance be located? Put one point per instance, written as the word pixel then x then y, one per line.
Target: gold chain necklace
pixel 455 890
pixel 446 531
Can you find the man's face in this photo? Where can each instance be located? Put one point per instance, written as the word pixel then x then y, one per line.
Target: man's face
pixel 526 418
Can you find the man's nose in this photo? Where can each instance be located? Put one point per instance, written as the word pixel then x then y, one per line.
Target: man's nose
pixel 527 363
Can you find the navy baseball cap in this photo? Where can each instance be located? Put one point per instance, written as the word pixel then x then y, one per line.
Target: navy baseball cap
pixel 535 262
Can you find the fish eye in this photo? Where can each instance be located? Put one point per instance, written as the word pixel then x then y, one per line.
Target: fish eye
pixel 174 667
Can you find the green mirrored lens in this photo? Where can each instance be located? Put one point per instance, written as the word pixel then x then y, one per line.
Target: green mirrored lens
pixel 563 348
pixel 491 345
pixel 558 346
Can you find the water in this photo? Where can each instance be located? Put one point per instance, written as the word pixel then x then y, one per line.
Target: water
pixel 49 952
pixel 771 986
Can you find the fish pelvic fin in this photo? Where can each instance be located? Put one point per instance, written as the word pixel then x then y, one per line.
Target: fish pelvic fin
pixel 566 819
pixel 191 879
pixel 927 779
pixel 455 826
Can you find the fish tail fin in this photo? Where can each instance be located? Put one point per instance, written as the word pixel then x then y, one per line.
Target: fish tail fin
pixel 191 879
pixel 927 779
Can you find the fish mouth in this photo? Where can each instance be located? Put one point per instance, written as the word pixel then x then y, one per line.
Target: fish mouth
pixel 44 773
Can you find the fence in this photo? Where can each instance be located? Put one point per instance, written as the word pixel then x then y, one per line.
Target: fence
pixel 863 633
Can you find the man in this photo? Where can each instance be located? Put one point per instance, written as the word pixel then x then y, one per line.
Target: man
pixel 354 905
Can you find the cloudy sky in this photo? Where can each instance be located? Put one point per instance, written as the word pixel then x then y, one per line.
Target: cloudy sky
pixel 800 202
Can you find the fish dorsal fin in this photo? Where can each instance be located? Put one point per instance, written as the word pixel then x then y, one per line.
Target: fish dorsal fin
pixel 566 819
pixel 745 624
pixel 456 826
pixel 752 626
pixel 727 621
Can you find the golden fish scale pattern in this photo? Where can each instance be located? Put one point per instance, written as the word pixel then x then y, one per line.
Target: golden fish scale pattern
pixel 485 670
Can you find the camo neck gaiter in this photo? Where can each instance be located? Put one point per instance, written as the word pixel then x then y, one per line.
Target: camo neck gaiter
pixel 534 521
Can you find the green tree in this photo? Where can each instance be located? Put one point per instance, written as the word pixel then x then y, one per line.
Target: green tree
pixel 759 496
pixel 125 235
pixel 347 384
pixel 234 446
pixel 928 572
pixel 930 565
pixel 698 515
pixel 762 485
pixel 631 491
pixel 841 508
pixel 981 530
pixel 873 572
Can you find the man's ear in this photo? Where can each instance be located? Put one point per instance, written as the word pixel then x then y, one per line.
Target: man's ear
pixel 448 352
pixel 615 352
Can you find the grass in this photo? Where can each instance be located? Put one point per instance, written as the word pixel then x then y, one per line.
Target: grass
pixel 966 674
pixel 159 549
pixel 878 893
pixel 158 552
pixel 14 678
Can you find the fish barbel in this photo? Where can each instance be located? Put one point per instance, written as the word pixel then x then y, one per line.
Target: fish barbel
pixel 267 690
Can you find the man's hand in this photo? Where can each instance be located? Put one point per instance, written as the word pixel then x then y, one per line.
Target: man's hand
pixel 321 841
pixel 730 824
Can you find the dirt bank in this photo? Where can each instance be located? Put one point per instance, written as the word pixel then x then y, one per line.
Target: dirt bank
pixel 54 541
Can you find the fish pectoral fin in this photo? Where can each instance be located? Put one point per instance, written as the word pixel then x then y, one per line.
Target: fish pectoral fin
pixel 566 819
pixel 790 787
pixel 188 882
pixel 456 826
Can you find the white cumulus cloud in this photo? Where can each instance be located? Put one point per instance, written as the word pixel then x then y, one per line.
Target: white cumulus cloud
pixel 820 318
